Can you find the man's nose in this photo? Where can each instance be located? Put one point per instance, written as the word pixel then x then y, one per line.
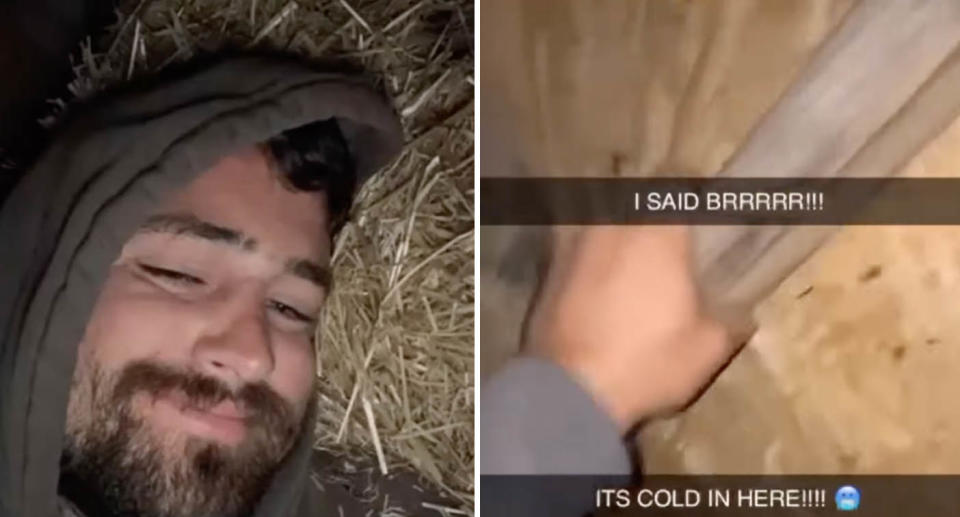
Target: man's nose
pixel 235 346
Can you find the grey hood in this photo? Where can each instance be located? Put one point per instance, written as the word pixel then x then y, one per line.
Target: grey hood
pixel 68 218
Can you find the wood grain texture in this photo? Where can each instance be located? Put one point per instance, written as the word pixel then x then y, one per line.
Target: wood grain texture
pixel 886 82
pixel 880 86
pixel 636 89
pixel 853 364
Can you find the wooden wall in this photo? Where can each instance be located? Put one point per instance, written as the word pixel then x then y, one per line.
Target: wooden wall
pixel 851 369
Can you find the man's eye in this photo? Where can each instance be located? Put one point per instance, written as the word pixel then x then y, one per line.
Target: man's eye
pixel 171 275
pixel 289 312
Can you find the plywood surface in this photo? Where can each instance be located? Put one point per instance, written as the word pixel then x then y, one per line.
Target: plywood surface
pixel 851 367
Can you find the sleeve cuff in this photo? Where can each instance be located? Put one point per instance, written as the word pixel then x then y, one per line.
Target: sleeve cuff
pixel 536 419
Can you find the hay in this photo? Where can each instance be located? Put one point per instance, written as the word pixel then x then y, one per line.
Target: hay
pixel 395 358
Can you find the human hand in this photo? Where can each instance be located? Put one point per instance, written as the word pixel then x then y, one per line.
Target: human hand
pixel 620 311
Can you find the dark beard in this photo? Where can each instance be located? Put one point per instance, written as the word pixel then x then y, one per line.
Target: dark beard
pixel 114 464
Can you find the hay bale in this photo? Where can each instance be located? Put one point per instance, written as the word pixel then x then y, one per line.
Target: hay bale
pixel 395 360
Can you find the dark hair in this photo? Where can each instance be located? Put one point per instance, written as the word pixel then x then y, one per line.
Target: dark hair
pixel 316 157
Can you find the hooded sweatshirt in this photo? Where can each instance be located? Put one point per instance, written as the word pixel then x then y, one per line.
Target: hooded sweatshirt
pixel 69 216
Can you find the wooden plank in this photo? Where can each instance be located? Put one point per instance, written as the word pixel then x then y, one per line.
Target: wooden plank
pixel 879 87
pixel 886 82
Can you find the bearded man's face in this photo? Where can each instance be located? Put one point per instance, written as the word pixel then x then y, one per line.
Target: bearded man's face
pixel 197 365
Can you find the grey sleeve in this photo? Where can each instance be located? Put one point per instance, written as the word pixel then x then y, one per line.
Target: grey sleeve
pixel 536 419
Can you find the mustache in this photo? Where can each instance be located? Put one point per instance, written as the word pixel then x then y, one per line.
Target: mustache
pixel 262 406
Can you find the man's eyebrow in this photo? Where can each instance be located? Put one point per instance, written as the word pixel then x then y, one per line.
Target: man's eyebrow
pixel 189 224
pixel 312 272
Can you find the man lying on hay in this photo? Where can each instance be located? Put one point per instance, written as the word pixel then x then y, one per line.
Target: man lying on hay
pixel 166 259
